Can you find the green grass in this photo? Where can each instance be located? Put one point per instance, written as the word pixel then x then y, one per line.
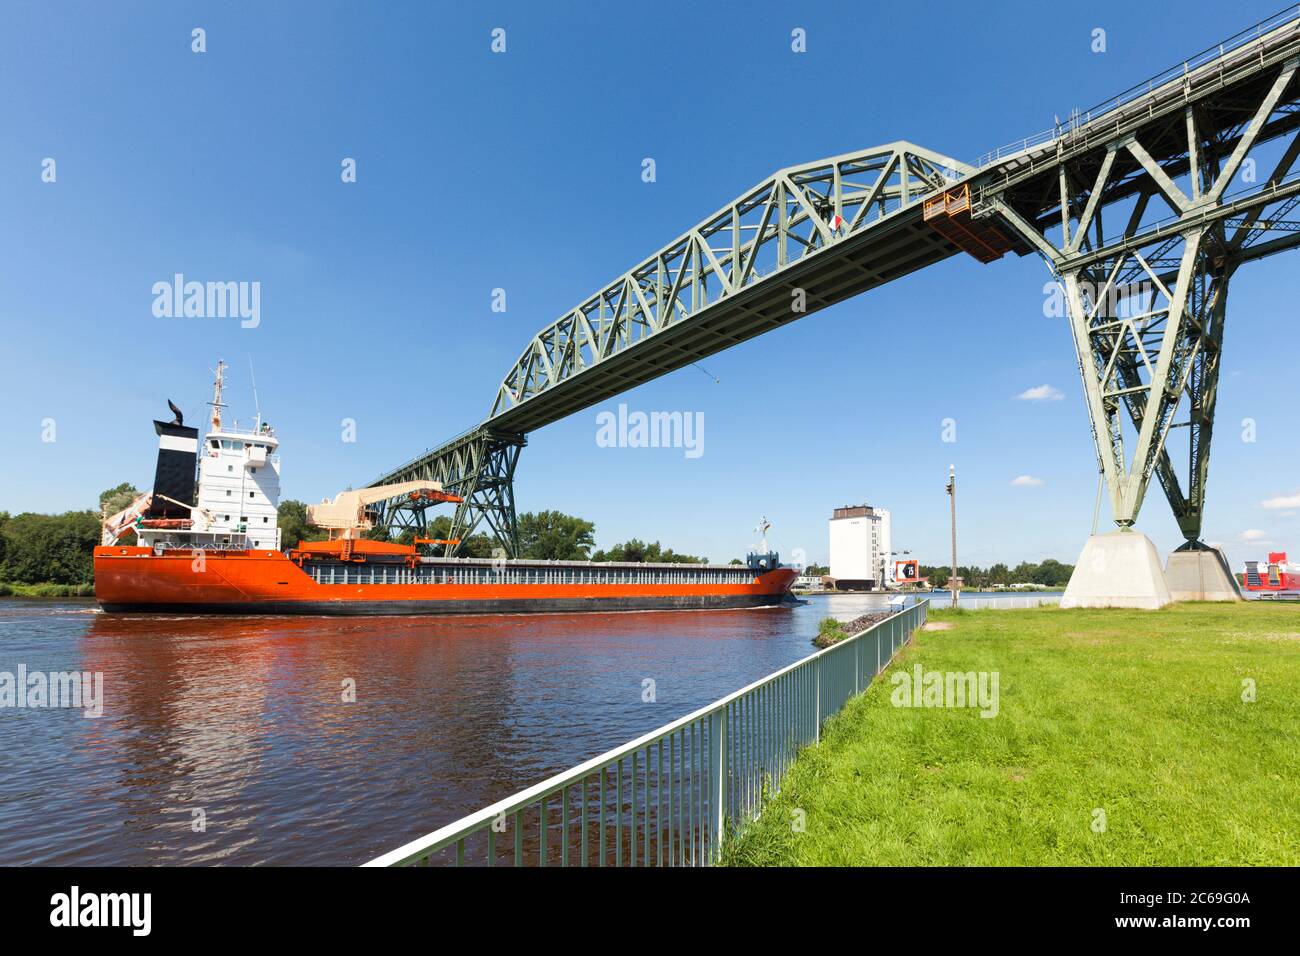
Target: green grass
pixel 829 631
pixel 47 590
pixel 1137 713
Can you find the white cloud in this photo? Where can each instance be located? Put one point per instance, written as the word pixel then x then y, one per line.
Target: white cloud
pixel 1041 393
pixel 1025 481
pixel 1282 501
pixel 1254 534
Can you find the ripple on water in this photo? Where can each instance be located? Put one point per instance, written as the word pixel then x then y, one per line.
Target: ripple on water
pixel 243 719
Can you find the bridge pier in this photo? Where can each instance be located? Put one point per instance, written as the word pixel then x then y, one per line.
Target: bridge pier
pixel 1198 572
pixel 1119 569
pixel 1146 304
pixel 480 467
pixel 487 487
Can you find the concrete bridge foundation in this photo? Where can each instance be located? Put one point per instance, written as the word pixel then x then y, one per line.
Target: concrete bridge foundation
pixel 1119 569
pixel 1202 574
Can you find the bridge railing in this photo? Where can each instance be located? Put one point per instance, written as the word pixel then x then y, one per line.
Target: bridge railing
pixel 673 796
pixel 1083 117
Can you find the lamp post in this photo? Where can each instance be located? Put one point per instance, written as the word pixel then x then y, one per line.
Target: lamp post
pixel 952 495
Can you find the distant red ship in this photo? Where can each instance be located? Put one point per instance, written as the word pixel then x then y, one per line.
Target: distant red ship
pixel 1276 575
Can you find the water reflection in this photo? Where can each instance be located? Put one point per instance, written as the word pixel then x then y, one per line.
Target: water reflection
pixel 229 740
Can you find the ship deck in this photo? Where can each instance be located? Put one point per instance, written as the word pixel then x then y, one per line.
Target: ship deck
pixel 487 571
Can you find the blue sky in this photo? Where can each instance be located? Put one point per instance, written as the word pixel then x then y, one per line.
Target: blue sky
pixel 522 171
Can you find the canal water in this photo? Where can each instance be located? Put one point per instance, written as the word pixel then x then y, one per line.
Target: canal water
pixel 292 740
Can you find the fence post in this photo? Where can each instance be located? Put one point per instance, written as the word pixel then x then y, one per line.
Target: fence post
pixel 717 781
pixel 857 666
pixel 817 699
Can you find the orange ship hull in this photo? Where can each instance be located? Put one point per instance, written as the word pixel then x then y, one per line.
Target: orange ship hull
pixel 268 582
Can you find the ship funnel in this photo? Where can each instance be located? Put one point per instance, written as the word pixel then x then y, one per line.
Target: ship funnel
pixel 173 480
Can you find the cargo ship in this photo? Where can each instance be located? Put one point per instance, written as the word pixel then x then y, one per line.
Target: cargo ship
pixel 207 541
pixel 1274 578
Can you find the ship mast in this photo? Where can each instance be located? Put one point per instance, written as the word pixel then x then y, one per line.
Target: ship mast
pixel 216 403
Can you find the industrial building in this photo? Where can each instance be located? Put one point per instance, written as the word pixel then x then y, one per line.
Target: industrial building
pixel 860 547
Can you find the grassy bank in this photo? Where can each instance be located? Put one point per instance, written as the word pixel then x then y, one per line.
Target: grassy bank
pixel 47 590
pixel 1135 715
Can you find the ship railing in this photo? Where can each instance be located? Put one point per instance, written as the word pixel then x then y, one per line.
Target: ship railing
pixel 674 796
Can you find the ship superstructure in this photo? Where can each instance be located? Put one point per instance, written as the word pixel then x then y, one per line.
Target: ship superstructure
pixel 221 494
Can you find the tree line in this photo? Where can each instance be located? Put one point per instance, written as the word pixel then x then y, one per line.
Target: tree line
pixel 1047 573
pixel 57 548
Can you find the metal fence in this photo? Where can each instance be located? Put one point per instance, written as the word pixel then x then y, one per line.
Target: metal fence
pixel 673 796
pixel 1009 602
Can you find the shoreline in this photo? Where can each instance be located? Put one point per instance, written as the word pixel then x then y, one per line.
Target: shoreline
pixel 46 590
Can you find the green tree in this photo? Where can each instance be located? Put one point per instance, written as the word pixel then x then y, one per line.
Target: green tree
pixel 475 546
pixel 294 527
pixel 636 551
pixel 938 576
pixel 478 546
pixel 555 536
pixel 113 500
pixel 53 549
pixel 1052 573
pixel 1023 573
pixel 439 527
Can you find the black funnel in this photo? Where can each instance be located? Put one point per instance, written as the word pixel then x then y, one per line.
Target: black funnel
pixel 178 448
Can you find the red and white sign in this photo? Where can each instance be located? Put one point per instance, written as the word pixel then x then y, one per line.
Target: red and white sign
pixel 907 572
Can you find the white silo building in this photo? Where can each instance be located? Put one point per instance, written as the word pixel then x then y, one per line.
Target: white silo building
pixel 861 542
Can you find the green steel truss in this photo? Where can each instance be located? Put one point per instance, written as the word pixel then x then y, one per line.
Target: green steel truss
pixel 480 467
pixel 804 238
pixel 730 277
pixel 1146 302
pixel 812 235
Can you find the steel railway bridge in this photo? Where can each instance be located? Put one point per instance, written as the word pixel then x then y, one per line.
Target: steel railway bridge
pixel 1143 207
